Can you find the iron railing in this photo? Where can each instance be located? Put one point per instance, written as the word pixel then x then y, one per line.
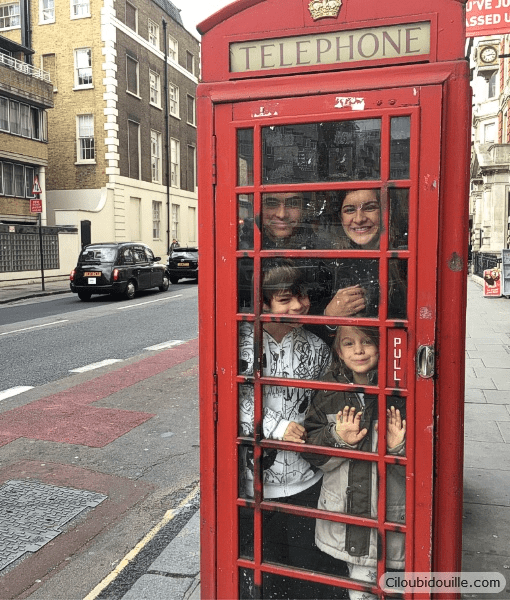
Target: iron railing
pixel 23 67
pixel 485 260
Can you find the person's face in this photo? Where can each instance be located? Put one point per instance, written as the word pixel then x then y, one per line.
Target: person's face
pixel 281 214
pixel 286 303
pixel 358 351
pixel 361 216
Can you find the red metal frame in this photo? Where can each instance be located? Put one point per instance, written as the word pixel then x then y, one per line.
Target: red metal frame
pixel 223 106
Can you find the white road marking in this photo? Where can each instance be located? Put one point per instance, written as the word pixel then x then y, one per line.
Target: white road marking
pixel 165 345
pixel 149 302
pixel 15 391
pixel 35 327
pixel 97 365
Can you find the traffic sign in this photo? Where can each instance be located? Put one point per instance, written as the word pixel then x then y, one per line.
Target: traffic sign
pixel 36 206
pixel 37 188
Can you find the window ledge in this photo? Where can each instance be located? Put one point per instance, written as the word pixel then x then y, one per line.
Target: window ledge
pixel 156 106
pixel 175 116
pixel 74 18
pixel 89 86
pixel 46 22
pixel 133 94
pixel 85 162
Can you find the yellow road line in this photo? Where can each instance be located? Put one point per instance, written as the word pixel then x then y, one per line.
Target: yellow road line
pixel 169 515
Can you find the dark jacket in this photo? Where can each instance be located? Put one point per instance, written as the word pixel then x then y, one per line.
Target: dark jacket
pixel 349 485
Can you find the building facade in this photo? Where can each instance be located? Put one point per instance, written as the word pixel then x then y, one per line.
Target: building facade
pixel 490 161
pixel 111 171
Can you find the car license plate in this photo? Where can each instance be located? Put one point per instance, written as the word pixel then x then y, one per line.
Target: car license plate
pixel 183 264
pixel 92 281
pixel 92 274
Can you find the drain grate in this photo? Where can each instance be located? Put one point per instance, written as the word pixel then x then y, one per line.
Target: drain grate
pixel 33 513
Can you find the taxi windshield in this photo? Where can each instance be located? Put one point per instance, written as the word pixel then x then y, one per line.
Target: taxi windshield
pixel 97 255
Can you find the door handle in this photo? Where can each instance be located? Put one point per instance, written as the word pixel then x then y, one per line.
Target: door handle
pixel 425 361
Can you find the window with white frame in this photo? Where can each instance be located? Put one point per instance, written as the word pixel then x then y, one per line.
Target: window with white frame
pixel 131 16
pixel 155 88
pixel 153 34
pixel 19 181
pixel 173 48
pixel 83 67
pixel 156 156
pixel 9 16
pixel 85 134
pixel 46 11
pixel 80 9
pixel 176 210
pixel 8 179
pixel 191 180
pixel 133 149
pixel 190 62
pixel 191 110
pixel 173 95
pixel 29 182
pixel 492 85
pixel 24 111
pixel 192 224
pixel 156 220
pixel 175 151
pixel 132 74
pixel 489 133
pixel 14 117
pixel 4 114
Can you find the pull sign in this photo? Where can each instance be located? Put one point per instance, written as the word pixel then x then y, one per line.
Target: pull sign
pixel 397 353
pixel 425 361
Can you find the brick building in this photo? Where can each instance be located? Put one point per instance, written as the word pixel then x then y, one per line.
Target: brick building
pixel 107 157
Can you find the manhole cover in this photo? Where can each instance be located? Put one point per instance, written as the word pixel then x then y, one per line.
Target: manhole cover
pixel 32 514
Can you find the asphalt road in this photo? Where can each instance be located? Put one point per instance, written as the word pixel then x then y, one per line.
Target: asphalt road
pixel 43 339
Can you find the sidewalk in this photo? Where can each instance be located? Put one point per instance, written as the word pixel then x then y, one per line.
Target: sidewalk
pixel 22 291
pixel 486 528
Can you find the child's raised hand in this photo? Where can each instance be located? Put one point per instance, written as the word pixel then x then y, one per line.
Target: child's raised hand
pixel 347 425
pixel 395 428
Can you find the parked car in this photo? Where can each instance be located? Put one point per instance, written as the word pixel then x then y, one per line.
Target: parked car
pixel 117 269
pixel 182 263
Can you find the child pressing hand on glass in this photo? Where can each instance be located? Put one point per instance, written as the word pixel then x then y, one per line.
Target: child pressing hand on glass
pixel 349 420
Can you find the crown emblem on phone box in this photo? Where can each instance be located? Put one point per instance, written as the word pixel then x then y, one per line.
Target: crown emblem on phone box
pixel 324 8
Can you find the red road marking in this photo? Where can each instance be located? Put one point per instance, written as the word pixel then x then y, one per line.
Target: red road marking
pixel 67 417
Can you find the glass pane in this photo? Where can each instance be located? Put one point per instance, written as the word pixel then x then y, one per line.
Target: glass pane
pixel 396 494
pixel 395 551
pixel 397 289
pixel 332 151
pixel 245 284
pixel 246 392
pixel 246 584
pixel 277 586
pixel 399 219
pixel 246 523
pixel 400 147
pixel 245 157
pixel 245 221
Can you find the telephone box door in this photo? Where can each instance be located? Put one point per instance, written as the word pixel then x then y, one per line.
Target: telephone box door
pixel 334 199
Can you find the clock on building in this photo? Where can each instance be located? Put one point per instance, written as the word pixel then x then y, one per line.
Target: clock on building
pixel 488 54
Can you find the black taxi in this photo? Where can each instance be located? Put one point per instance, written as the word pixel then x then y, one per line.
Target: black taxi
pixel 120 269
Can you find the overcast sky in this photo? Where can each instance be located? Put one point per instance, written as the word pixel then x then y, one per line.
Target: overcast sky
pixel 195 11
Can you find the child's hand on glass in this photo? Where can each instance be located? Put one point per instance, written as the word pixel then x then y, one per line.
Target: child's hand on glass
pixel 395 428
pixel 347 425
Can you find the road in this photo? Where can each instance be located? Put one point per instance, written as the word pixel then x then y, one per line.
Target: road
pixel 43 340
pixel 127 431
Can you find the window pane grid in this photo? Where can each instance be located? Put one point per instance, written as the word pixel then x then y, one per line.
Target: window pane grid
pixel 86 137
pixel 80 8
pixel 9 16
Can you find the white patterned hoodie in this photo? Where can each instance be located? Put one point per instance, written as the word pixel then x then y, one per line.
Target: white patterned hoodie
pixel 300 355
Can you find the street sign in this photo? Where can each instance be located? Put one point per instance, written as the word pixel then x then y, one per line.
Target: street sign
pixel 37 188
pixel 36 206
pixel 492 283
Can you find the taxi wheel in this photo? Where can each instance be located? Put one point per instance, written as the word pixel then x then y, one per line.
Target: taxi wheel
pixel 85 296
pixel 130 291
pixel 164 286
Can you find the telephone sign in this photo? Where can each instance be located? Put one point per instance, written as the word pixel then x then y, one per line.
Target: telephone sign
pixel 334 144
pixel 36 206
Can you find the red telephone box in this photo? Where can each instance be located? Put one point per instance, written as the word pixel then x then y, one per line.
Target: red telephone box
pixel 333 172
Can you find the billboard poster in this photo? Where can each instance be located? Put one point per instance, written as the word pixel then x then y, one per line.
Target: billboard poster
pixel 487 17
pixel 492 282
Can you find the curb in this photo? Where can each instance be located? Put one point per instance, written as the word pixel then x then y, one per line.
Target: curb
pixel 34 295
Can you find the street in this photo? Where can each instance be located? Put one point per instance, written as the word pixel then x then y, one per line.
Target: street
pixel 126 432
pixel 43 339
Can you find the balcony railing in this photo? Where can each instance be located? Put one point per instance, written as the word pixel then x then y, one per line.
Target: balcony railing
pixel 23 67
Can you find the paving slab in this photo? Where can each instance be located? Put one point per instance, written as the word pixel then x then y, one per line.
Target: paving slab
pixel 487 455
pixel 487 412
pixel 482 431
pixel 483 486
pixel 182 557
pixel 480 383
pixel 497 396
pixel 152 587
pixel 475 396
pixel 505 431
